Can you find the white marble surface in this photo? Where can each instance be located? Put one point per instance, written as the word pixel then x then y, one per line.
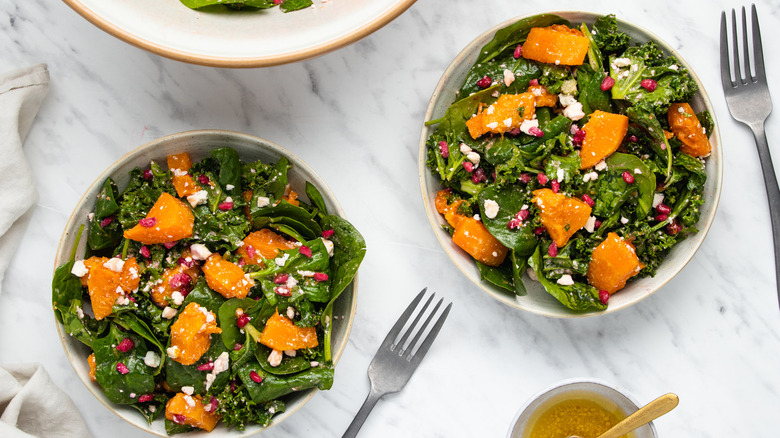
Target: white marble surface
pixel 711 335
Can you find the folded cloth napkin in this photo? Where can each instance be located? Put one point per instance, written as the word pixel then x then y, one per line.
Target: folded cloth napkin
pixel 21 94
pixel 32 406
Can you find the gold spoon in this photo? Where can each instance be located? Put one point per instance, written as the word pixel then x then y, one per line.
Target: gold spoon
pixel 644 415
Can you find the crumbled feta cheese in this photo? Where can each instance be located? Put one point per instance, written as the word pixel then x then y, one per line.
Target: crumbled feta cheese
pixel 291 353
pixel 229 187
pixel 464 148
pixel 281 260
pixel 476 217
pixel 508 122
pixel 566 99
pixel 173 352
pixel 275 358
pixel 623 220
pixel 590 176
pixel 601 165
pixel 197 198
pixel 531 274
pixel 169 312
pixel 199 251
pixel 637 171
pixel 314 363
pixel 674 67
pixel 527 125
pixel 152 408
pixel 91 216
pixel 489 110
pixel 79 312
pixel 221 363
pixel 560 174
pixel 492 125
pixel 188 389
pixel 262 201
pixel 491 208
pixel 328 246
pixel 115 264
pixel 122 301
pixel 188 399
pixel 290 312
pixel 590 225
pixel 306 273
pixel 509 77
pixel 621 62
pixel 177 298
pixel 658 198
pixel 473 157
pixel 291 282
pixel 179 172
pixel 565 280
pixel 79 269
pixel 574 111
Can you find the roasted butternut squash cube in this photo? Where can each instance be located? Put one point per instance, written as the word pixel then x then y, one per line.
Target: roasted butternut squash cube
pixel 686 126
pixel 179 165
pixel 561 215
pixel 506 114
pixel 190 410
pixel 103 286
pixel 612 263
pixel 262 244
pixel 557 44
pixel 226 278
pixel 542 96
pixel 603 134
pixel 280 333
pixel 92 367
pixel 169 220
pixel 450 211
pixel 473 237
pixel 191 334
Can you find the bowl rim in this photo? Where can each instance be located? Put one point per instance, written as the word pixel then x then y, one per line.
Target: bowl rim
pixel 73 220
pixel 572 381
pixel 240 62
pixel 704 224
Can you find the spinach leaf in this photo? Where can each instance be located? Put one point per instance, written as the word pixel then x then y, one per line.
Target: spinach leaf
pixel 205 297
pixel 316 198
pixel 510 200
pixel 644 179
pixel 231 334
pixel 652 127
pixel 288 365
pixel 514 34
pixel 498 276
pixel 294 5
pixel 273 387
pixel 229 169
pixel 519 265
pixel 591 95
pixel 119 387
pixel 131 321
pixel 278 180
pixel 578 297
pixel 106 204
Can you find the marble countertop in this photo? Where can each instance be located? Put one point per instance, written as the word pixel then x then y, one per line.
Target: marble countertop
pixel 710 335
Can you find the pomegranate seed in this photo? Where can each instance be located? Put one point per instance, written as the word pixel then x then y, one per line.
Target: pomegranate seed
pixel 170 245
pixel 242 320
pixel 518 51
pixel 320 276
pixel 673 228
pixel 305 250
pixel 552 250
pixel 628 178
pixel 603 296
pixel 443 149
pixel 542 178
pixel 148 175
pixel 203 179
pixel 122 368
pixel 283 291
pixel 513 223
pixel 469 166
pixel 241 263
pixel 484 82
pixel 145 398
pixel 478 176
pixel 649 84
pixel 539 230
pixel 633 138
pixel 179 418
pixel 514 131
pixel 588 200
pixel 213 403
pixel 148 222
pixel 579 137
pixel 180 280
pixel 255 377
pixel 104 223
pixel 533 82
pixel 188 263
pixel 607 83
pixel 130 297
pixel 522 214
pixel 281 278
pixel 524 178
pixel 208 366
pixel 663 209
pixel 555 186
pixel 493 175
pixel 277 2
pixel 596 224
pixel 661 217
pixel 536 132
pixel 225 206
pixel 125 345
pixel 328 233
pixel 145 251
pixel 238 346
pixel 250 251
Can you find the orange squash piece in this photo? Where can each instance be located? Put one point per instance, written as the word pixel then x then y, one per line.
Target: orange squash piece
pixel 292 198
pixel 262 244
pixel 556 44
pixel 561 215
pixel 161 292
pixel 473 237
pixel 130 277
pixel 191 411
pixel 686 126
pixel 504 115
pixel 173 220
pixel 92 367
pixel 179 164
pixel 191 334
pixel 603 134
pixel 106 286
pixel 612 263
pixel 280 333
pixel 450 211
pixel 543 97
pixel 226 278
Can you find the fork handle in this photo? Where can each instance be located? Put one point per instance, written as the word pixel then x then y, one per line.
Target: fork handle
pixel 360 418
pixel 772 192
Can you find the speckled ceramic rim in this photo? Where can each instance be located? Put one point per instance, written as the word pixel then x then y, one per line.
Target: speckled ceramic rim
pixel 569 382
pixel 242 62
pixel 74 221
pixel 436 221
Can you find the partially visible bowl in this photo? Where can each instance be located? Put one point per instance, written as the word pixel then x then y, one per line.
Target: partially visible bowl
pixel 239 38
pixel 609 397
pixel 537 300
pixel 198 144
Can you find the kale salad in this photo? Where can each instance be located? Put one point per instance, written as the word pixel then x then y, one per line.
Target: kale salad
pixel 570 154
pixel 249 5
pixel 207 290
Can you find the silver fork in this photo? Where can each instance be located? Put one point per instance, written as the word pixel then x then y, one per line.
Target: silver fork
pixel 749 102
pixel 395 362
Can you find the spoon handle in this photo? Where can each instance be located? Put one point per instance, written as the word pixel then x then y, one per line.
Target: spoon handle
pixel 644 415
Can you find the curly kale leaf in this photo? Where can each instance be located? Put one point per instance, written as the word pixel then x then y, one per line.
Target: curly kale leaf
pixel 237 408
pixel 607 36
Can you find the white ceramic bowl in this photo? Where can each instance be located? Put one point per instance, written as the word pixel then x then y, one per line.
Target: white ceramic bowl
pixel 610 397
pixel 537 300
pixel 239 38
pixel 198 144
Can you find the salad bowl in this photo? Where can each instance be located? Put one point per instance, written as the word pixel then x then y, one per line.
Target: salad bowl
pixel 537 300
pixel 198 144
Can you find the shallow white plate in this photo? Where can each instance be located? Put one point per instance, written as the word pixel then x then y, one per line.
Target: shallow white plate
pixel 538 300
pixel 239 38
pixel 198 144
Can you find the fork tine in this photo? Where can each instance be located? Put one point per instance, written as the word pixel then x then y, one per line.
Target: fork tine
pixel 412 326
pixel 418 356
pixel 735 44
pixel 758 52
pixel 410 348
pixel 745 49
pixel 402 320
pixel 725 67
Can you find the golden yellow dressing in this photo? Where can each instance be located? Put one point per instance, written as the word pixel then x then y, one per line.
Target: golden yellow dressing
pixel 574 417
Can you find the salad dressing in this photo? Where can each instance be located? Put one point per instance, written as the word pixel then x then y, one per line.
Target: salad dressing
pixel 581 416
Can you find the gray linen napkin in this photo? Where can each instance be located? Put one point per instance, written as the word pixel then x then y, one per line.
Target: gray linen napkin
pixel 21 94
